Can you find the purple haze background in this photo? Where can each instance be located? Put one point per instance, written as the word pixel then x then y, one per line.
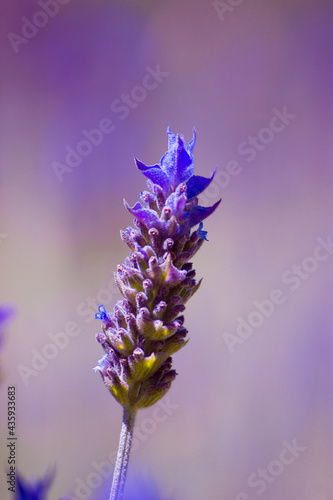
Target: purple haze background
pixel 229 412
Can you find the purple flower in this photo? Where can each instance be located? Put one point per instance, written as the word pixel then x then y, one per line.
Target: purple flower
pixel 174 186
pixel 6 314
pixel 33 490
pixel 156 280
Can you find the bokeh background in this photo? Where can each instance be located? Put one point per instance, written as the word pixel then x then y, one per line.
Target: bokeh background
pixel 225 69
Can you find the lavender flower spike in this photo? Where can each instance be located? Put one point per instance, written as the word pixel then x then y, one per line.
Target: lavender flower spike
pixel 146 327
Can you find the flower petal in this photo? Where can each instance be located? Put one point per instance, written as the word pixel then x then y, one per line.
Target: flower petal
pixel 147 216
pixel 155 174
pixel 196 184
pixel 201 233
pixel 198 214
pixel 6 314
pixel 36 489
pixel 172 276
pixel 171 138
pixel 103 365
pixel 191 144
pixel 177 162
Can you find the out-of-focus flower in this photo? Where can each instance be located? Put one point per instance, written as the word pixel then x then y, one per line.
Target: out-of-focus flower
pixel 6 314
pixel 156 280
pixel 141 486
pixel 33 489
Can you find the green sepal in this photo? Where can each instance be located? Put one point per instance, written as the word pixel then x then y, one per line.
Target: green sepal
pixel 152 395
pixel 123 345
pixel 173 345
pixel 119 391
pixel 161 331
pixel 187 294
pixel 143 368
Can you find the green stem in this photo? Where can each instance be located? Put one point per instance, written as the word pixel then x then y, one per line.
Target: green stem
pixel 125 441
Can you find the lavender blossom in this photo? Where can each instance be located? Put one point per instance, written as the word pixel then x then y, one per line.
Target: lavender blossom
pixel 156 280
pixel 6 314
pixel 33 490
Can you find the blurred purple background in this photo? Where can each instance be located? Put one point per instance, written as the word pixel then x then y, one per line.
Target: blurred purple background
pixel 235 402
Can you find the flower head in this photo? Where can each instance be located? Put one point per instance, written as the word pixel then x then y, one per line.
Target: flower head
pixel 156 280
pixel 176 164
pixel 33 490
pixel 175 189
pixel 6 314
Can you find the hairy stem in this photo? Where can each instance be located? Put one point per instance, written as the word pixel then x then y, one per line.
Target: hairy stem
pixel 125 441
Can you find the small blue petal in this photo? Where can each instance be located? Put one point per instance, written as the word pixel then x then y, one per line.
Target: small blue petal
pixel 202 234
pixel 102 313
pixel 103 365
